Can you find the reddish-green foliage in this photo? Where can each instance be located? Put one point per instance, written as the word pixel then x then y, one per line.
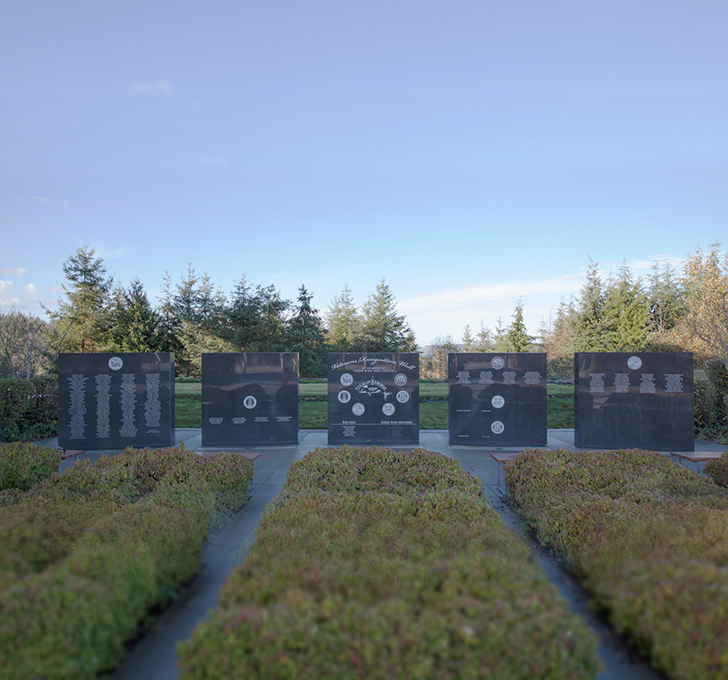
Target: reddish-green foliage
pixel 717 470
pixel 23 465
pixel 377 564
pixel 87 554
pixel 650 539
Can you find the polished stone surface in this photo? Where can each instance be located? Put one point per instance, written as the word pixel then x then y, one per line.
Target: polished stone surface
pixel 374 398
pixel 497 399
pixel 111 400
pixel 634 400
pixel 249 398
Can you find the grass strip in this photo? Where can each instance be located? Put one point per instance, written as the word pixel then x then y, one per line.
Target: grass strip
pixel 313 415
pixel 88 554
pixel 650 540
pixel 378 564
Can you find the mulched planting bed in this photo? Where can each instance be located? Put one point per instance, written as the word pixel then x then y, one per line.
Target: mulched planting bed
pixel 88 554
pixel 650 540
pixel 379 564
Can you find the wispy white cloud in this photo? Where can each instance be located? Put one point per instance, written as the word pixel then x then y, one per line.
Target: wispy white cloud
pixel 43 200
pixel 5 218
pixel 217 161
pixel 455 308
pixel 101 251
pixel 18 271
pixel 160 87
pixel 11 296
pixel 461 297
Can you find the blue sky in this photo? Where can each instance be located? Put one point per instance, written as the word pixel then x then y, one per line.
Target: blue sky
pixel 472 153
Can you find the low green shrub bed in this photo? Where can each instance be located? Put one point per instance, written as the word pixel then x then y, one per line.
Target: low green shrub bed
pixel 378 564
pixel 650 540
pixel 88 554
pixel 717 470
pixel 23 465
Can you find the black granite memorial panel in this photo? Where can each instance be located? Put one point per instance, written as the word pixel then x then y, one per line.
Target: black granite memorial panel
pixel 115 400
pixel 497 399
pixel 634 400
pixel 250 399
pixel 374 398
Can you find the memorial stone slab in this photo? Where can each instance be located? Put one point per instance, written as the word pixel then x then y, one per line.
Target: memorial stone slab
pixel 115 400
pixel 497 399
pixel 374 398
pixel 634 400
pixel 249 398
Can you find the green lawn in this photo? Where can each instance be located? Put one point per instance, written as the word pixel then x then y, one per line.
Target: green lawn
pixel 312 415
pixel 438 390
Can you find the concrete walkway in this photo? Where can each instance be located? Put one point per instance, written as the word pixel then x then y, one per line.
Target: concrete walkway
pixel 153 658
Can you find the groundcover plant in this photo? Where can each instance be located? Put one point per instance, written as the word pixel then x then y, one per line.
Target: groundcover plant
pixel 86 555
pixel 373 563
pixel 650 540
pixel 717 470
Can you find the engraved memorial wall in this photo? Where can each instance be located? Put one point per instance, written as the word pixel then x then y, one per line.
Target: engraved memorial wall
pixel 634 400
pixel 249 398
pixel 497 399
pixel 115 400
pixel 374 398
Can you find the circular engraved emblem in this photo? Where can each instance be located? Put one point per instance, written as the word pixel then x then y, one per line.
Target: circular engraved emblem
pixel 497 427
pixel 400 380
pixel 344 397
pixel 358 409
pixel 402 397
pixel 634 363
pixel 115 363
pixel 346 379
pixel 388 409
pixel 498 401
pixel 250 401
pixel 497 363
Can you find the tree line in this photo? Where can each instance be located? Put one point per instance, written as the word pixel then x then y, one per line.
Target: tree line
pixel 666 311
pixel 192 317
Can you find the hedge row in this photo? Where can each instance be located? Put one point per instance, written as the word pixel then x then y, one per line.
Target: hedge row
pixel 650 540
pixel 86 555
pixel 28 408
pixel 717 470
pixel 23 465
pixel 376 564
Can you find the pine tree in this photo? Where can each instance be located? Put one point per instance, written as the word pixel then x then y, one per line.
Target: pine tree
pixel 468 340
pixel 588 326
pixel 170 323
pixel 343 323
pixel 133 325
pixel 666 298
pixel 243 316
pixel 306 335
pixel 500 338
pixel 383 329
pixel 558 342
pixel 625 315
pixel 81 316
pixel 186 299
pixel 484 340
pixel 516 336
pixel 270 330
